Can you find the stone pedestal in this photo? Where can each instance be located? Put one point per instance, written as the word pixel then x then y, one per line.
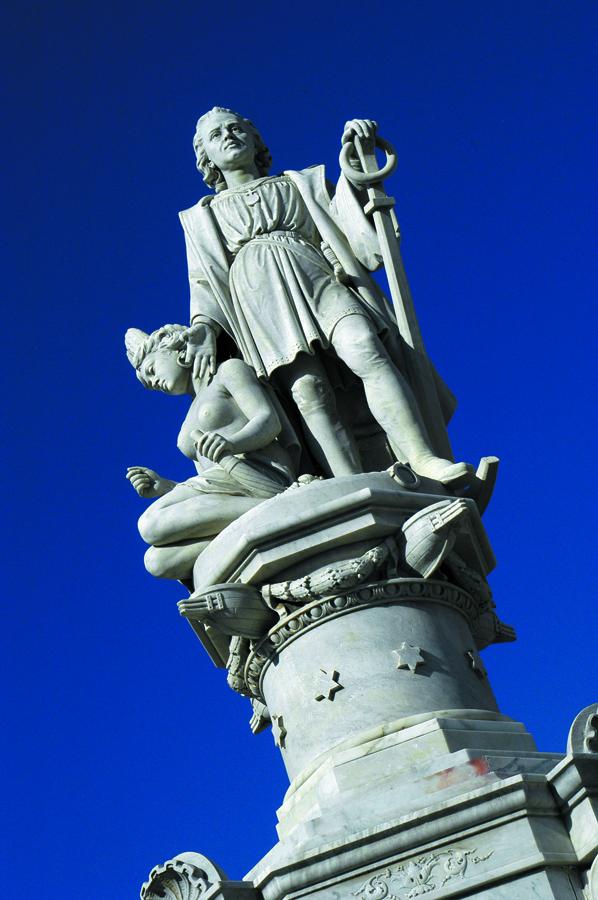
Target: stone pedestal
pixel 491 824
pixel 406 780
pixel 394 795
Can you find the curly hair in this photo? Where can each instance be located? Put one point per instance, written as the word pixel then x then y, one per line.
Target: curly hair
pixel 167 337
pixel 212 175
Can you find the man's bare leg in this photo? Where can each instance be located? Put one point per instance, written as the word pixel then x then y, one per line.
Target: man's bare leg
pixel 330 443
pixel 390 398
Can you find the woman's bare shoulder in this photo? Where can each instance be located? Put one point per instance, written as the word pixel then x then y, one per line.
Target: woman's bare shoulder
pixel 235 367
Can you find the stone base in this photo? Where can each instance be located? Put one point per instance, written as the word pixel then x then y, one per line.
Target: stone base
pixel 481 823
pixel 402 768
pixel 458 805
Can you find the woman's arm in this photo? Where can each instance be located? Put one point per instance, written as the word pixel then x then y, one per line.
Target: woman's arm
pixel 148 483
pixel 262 427
pixel 251 397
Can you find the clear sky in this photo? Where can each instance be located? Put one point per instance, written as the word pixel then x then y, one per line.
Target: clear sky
pixel 124 745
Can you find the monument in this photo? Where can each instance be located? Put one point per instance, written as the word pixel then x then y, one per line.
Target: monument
pixel 334 554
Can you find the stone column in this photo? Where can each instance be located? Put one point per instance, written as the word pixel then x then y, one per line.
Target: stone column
pixel 396 650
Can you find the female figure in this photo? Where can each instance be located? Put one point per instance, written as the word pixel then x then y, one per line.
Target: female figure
pixel 234 422
pixel 281 267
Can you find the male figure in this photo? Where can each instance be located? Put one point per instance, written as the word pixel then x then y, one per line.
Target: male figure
pixel 297 285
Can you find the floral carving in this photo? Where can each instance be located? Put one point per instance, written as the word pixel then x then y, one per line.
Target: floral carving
pixel 420 876
pixel 328 579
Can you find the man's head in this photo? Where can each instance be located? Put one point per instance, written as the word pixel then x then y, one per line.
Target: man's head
pixel 224 140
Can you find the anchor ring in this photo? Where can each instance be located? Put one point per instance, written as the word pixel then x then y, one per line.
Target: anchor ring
pixel 368 178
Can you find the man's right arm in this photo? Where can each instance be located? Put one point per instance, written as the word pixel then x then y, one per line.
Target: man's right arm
pixel 203 331
pixel 200 352
pixel 205 312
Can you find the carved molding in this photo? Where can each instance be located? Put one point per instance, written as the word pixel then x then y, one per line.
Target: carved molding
pixel 420 876
pixel 185 877
pixel 383 593
pixel 583 734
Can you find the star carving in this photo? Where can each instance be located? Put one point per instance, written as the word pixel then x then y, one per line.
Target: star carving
pixel 475 663
pixel 279 731
pixel 328 684
pixel 408 656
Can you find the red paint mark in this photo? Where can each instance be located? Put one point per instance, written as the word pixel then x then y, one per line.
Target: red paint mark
pixel 480 765
pixel 458 774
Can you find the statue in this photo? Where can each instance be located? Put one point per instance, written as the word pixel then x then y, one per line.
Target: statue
pixel 279 275
pixel 334 553
pixel 291 348
pixel 235 423
pixel 282 269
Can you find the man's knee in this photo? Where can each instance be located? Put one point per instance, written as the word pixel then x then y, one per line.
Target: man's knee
pixel 357 343
pixel 312 393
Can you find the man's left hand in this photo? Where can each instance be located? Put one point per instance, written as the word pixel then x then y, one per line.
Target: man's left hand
pixel 364 129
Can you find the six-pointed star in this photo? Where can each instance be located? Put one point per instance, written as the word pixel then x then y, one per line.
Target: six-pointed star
pixel 279 732
pixel 408 657
pixel 328 684
pixel 475 661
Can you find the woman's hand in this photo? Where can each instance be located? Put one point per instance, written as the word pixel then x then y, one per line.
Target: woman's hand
pixel 212 445
pixel 365 129
pixel 148 483
pixel 200 352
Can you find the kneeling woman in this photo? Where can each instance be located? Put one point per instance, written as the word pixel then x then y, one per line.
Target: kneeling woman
pixel 235 422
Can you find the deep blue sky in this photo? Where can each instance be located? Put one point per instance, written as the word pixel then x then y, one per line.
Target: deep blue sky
pixel 124 745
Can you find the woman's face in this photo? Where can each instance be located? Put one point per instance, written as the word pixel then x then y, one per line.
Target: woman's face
pixel 228 142
pixel 161 371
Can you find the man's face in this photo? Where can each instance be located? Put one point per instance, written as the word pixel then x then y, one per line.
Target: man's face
pixel 228 142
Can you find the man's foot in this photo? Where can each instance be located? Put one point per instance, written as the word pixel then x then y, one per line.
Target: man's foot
pixel 442 470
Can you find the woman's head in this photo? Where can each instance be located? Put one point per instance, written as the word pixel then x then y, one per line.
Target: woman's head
pixel 224 139
pixel 159 358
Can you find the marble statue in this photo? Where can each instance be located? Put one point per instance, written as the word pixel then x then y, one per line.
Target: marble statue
pixel 292 355
pixel 234 422
pixel 334 554
pixel 283 269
